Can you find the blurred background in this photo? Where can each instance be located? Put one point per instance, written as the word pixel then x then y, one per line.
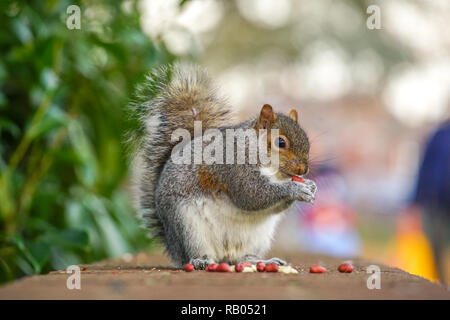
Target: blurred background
pixel 371 100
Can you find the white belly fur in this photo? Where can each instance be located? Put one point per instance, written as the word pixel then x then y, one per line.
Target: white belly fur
pixel 225 233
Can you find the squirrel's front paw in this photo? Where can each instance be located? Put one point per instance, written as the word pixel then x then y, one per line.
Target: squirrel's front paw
pixel 305 191
pixel 311 185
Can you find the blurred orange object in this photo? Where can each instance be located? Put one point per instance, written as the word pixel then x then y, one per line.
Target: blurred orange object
pixel 412 250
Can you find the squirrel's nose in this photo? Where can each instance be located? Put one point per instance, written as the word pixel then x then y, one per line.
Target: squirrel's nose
pixel 302 169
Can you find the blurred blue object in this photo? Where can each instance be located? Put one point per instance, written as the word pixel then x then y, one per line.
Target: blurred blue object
pixel 433 183
pixel 432 195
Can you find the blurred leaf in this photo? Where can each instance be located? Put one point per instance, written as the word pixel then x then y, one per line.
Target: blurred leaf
pixel 54 119
pixel 61 259
pixel 87 171
pixel 5 271
pixel 25 266
pixel 34 254
pixel 40 252
pixel 112 238
pixel 62 123
pixel 22 30
pixel 67 239
pixel 48 79
pixel 3 100
pixel 9 126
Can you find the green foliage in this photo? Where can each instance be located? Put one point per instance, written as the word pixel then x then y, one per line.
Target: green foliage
pixel 63 164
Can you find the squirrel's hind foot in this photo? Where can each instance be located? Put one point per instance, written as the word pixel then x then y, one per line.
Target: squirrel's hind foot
pixel 275 260
pixel 254 260
pixel 201 263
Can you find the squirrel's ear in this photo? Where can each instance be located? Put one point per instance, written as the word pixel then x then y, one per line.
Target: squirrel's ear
pixel 293 115
pixel 266 118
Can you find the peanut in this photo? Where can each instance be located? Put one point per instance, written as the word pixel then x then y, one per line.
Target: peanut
pixel 346 268
pixel 298 179
pixel 317 269
pixel 272 267
pixel 223 267
pixel 188 267
pixel 212 267
pixel 260 266
pixel 239 267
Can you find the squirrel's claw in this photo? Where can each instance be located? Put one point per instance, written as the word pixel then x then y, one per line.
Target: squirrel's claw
pixel 254 260
pixel 200 263
pixel 275 260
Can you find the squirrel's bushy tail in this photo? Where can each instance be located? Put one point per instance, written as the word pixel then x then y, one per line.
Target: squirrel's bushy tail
pixel 172 97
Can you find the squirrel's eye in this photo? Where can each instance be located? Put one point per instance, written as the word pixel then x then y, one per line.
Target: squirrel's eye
pixel 280 143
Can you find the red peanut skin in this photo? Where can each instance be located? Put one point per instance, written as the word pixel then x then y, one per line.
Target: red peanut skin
pixel 298 179
pixel 223 267
pixel 346 268
pixel 246 264
pixel 260 266
pixel 239 267
pixel 188 267
pixel 317 269
pixel 212 267
pixel 273 267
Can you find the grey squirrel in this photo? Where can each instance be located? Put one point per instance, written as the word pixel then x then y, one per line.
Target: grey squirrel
pixel 211 213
